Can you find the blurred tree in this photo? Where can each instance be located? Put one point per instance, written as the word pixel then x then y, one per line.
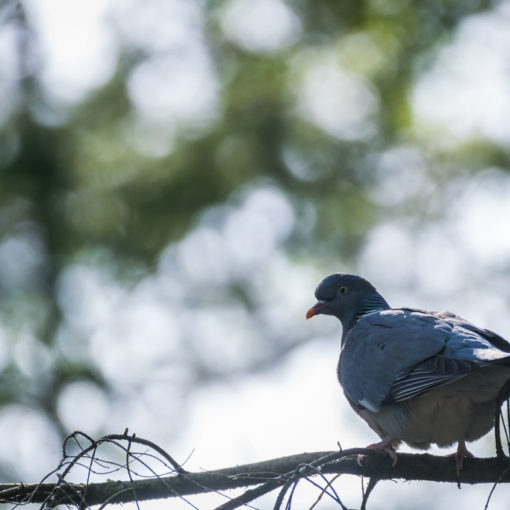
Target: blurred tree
pixel 222 130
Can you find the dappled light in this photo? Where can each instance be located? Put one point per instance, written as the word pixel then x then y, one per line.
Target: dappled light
pixel 177 175
pixel 263 26
pixel 336 100
pixel 465 94
pixel 69 72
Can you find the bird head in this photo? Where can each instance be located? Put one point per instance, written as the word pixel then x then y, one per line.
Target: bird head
pixel 346 297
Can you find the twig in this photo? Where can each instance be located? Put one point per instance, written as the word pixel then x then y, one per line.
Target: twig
pixel 328 485
pixel 370 487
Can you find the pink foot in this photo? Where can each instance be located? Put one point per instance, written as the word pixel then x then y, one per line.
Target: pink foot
pixel 461 453
pixel 384 446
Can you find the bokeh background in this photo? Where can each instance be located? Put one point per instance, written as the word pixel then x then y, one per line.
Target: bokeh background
pixel 176 176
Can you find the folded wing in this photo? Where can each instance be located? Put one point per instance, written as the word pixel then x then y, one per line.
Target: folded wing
pixel 396 355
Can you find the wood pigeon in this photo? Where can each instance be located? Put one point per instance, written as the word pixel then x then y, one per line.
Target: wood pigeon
pixel 414 376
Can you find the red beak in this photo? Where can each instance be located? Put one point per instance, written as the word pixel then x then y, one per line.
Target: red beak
pixel 316 309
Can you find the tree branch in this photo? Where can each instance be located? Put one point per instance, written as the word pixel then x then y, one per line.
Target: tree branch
pixel 267 475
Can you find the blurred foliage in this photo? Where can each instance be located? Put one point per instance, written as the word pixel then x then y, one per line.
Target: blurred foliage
pixel 75 186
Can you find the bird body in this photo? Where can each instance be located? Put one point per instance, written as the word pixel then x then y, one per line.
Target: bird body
pixel 414 376
pixel 459 411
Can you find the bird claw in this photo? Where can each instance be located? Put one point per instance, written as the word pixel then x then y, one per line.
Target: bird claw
pixel 384 446
pixel 461 453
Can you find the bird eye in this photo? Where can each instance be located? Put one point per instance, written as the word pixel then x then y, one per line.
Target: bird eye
pixel 342 290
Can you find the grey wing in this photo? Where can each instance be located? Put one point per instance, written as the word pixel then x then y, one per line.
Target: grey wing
pixel 398 354
pixel 432 373
pixel 494 339
pixel 383 349
pixel 467 348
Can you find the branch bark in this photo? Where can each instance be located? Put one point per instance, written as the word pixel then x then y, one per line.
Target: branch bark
pixel 270 474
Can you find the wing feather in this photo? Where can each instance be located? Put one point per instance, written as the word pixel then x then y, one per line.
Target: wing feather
pixel 395 355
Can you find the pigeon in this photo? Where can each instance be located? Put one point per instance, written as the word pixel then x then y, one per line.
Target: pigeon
pixel 414 376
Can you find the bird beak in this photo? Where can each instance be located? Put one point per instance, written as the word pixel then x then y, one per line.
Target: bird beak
pixel 316 309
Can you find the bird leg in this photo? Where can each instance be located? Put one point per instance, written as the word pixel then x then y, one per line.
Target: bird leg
pixel 461 453
pixel 386 445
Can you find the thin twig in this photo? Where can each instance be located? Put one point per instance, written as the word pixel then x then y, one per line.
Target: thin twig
pixel 370 487
pixel 324 491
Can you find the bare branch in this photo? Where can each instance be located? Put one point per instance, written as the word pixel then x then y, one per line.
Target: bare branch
pixel 145 481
